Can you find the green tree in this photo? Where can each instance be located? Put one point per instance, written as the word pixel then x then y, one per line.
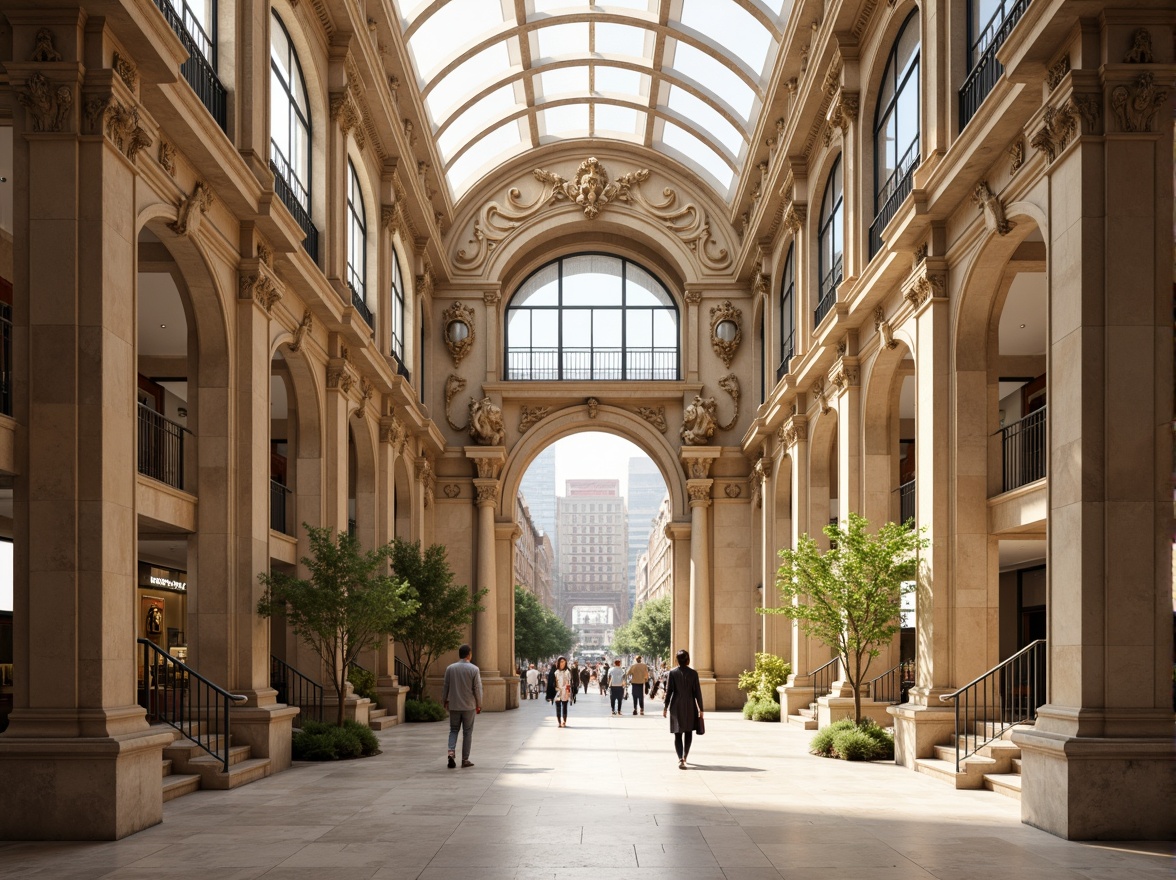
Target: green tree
pixel 647 632
pixel 539 631
pixel 444 611
pixel 349 602
pixel 850 596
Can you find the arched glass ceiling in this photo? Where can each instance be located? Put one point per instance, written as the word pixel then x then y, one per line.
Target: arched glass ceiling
pixel 685 77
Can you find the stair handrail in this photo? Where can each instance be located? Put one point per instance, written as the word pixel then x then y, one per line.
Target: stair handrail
pixel 165 682
pixel 818 674
pixel 982 696
pixel 287 680
pixel 899 672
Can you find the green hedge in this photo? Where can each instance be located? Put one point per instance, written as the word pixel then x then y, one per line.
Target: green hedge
pixel 318 741
pixel 850 742
pixel 424 710
pixel 761 710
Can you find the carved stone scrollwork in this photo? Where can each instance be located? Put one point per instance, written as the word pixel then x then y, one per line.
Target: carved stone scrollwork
pixel 192 209
pixel 451 490
pixel 167 157
pixel 655 417
pixel 345 112
pixel 693 297
pixel 730 384
pixel 121 125
pixel 732 490
pixel 301 330
pixel 532 415
pixel 1136 104
pixel 1057 72
pixel 794 216
pixel 366 390
pixel 885 331
pixel 491 297
pixel 793 431
pixel 590 187
pixel 43 50
pixel 261 287
pixel 486 425
pixel 459 341
pixel 726 315
pixel 925 284
pixel 844 375
pixel 393 432
pixel 126 71
pixel 428 479
pixel 454 385
pixel 1059 124
pixel 698 421
pixel 339 375
pixel 822 397
pixel 1016 156
pixel 698 468
pixel 994 213
pixel 487 494
pixel 47 104
pixel 487 468
pixel 1141 48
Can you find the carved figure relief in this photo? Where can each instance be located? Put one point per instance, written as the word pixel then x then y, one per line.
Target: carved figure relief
pixel 48 105
pixel 532 415
pixel 167 157
pixel 260 287
pixel 192 209
pixel 1141 48
pixel 885 331
pixel 1057 72
pixel 126 71
pixel 994 213
pixel 590 188
pixel 123 129
pixel 366 390
pixel 726 329
pixel 1016 156
pixel 486 427
pixel 43 50
pixel 822 397
pixel 346 113
pixel 925 285
pixel 339 376
pixel 428 479
pixel 655 417
pixel 698 421
pixel 301 330
pixel 1137 104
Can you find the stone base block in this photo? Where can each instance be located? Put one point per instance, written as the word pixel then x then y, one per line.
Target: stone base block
pixel 1084 788
pixel 354 708
pixel 101 788
pixel 727 693
pixel 494 694
pixel 797 694
pixel 391 697
pixel 830 709
pixel 918 730
pixel 267 731
pixel 708 690
pixel 512 691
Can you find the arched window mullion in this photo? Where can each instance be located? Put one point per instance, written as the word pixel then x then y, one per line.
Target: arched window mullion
pixel 292 173
pixel 787 314
pixel 357 245
pixel 893 188
pixel 830 237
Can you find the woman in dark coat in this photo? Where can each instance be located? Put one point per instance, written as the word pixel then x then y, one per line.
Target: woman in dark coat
pixel 683 703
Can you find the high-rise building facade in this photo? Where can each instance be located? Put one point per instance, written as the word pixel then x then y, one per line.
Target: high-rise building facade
pixel 533 556
pixel 645 490
pixel 593 558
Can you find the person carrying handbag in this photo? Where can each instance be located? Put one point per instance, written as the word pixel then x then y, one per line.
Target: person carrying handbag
pixel 683 704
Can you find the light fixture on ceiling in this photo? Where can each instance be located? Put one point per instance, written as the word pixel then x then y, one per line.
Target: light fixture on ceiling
pixel 1022 326
pixel 164 326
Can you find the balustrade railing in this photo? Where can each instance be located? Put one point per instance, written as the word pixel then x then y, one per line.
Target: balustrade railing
pixel 1023 452
pixel 986 70
pixel 5 359
pixel 893 193
pixel 279 503
pixel 906 501
pixel 295 198
pixel 601 364
pixel 296 689
pixel 175 694
pixel 200 68
pixel 1007 695
pixel 823 679
pixel 161 447
pixel 403 674
pixel 893 685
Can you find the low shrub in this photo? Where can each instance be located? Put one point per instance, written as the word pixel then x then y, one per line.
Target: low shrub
pixel 766 710
pixel 822 743
pixel 749 709
pixel 364 682
pixel 761 682
pixel 850 742
pixel 853 745
pixel 424 710
pixel 318 741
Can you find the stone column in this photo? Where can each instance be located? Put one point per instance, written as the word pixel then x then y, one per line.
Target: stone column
pixel 78 760
pixel 698 460
pixel 390 692
pixel 845 388
pixel 925 720
pixel 1100 762
pixel 489 461
pixel 506 534
pixel 772 476
pixel 679 535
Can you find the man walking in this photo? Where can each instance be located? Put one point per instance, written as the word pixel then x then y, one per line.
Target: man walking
pixel 462 696
pixel 638 676
pixel 616 683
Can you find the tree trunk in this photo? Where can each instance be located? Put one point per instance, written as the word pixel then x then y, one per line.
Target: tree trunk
pixel 854 682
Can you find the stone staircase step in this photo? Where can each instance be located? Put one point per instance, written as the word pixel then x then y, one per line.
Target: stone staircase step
pixel 803 722
pixel 383 722
pixel 179 784
pixel 1008 784
pixel 377 713
pixel 212 776
pixel 970 775
pixel 167 767
pixel 1017 766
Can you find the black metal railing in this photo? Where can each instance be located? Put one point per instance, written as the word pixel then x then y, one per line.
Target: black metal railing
pixel 828 292
pixel 1023 452
pixel 296 689
pixel 175 694
pixel 161 447
pixel 401 368
pixel 279 504
pixel 893 193
pixel 893 685
pixel 5 359
pixel 823 679
pixel 986 70
pixel 403 673
pixel 601 364
pixel 295 198
pixel 361 306
pixel 906 501
pixel 788 349
pixel 1007 695
pixel 200 68
pixel 351 527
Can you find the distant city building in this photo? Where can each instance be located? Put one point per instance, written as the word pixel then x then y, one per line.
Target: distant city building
pixel 659 567
pixel 538 486
pixel 592 537
pixel 533 559
pixel 646 490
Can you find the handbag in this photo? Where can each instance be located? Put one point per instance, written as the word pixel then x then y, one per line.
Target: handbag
pixel 701 725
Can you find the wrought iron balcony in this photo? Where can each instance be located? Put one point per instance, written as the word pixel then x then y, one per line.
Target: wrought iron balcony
pixel 601 364
pixel 295 198
pixel 401 368
pixel 828 291
pixel 986 70
pixel 788 349
pixel 894 193
pixel 1023 451
pixel 279 503
pixel 5 359
pixel 200 68
pixel 361 306
pixel 161 447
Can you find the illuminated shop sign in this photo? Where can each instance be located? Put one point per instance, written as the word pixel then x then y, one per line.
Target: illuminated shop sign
pixel 155 578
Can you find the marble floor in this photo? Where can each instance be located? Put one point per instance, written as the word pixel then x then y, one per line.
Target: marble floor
pixel 602 799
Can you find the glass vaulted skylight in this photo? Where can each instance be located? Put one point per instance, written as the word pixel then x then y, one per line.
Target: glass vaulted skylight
pixel 499 77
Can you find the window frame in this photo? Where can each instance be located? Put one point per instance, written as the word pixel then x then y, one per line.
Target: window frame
pixel 787 312
pixel 881 114
pixel 829 278
pixel 296 184
pixel 356 220
pixel 398 309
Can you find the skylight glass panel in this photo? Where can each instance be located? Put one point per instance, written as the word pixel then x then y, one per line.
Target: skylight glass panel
pixel 713 75
pixel 620 39
pixel 562 39
pixel 619 80
pixel 561 81
pixel 453 25
pixel 410 9
pixel 494 106
pixel 622 120
pixel 730 26
pixel 707 118
pixel 546 6
pixel 496 146
pixel 568 120
pixel 639 5
pixel 677 138
pixel 468 78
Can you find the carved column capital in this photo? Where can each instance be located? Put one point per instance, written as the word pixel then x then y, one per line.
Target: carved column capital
pixel 699 492
pixel 487 493
pixel 259 283
pixel 487 459
pixel 928 281
pixel 793 431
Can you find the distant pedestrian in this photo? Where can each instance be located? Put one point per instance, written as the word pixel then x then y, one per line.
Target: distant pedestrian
pixel 585 677
pixel 559 690
pixel 616 683
pixel 684 703
pixel 638 677
pixel 532 682
pixel 575 680
pixel 462 696
pixel 602 677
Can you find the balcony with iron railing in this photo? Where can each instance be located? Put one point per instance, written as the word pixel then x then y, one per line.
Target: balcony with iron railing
pixel 1024 455
pixel 906 501
pixel 986 70
pixel 401 368
pixel 161 447
pixel 200 68
pixel 295 197
pixel 788 349
pixel 828 291
pixel 280 508
pixel 893 193
pixel 361 305
pixel 5 359
pixel 600 364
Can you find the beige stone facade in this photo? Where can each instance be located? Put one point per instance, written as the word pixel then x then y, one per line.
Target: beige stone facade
pixel 342 354
pixel 533 557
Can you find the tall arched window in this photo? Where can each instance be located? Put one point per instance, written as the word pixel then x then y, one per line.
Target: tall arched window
pixel 591 316
pixel 357 245
pixel 787 316
pixel 830 243
pixel 896 129
pixel 290 132
pixel 397 311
